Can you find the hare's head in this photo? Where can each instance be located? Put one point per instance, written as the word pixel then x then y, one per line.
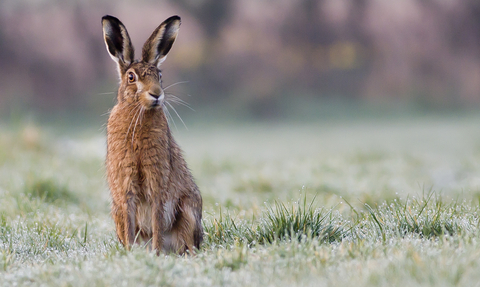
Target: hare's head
pixel 140 80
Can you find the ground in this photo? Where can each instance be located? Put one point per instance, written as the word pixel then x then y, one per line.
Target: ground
pixel 391 202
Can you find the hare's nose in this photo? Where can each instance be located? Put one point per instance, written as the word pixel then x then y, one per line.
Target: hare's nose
pixel 155 92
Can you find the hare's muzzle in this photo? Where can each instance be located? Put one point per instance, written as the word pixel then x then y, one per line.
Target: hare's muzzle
pixel 155 96
pixel 155 91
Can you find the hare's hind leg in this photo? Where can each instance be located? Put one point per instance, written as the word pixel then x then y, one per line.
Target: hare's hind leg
pixel 198 233
pixel 184 232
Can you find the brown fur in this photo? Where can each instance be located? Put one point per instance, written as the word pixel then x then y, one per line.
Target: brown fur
pixel 154 196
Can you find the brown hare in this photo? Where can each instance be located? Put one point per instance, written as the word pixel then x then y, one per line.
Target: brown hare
pixel 154 196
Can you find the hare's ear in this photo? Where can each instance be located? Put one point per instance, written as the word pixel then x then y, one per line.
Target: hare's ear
pixel 158 45
pixel 118 43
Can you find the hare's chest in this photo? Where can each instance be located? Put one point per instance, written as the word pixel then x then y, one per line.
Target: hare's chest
pixel 153 163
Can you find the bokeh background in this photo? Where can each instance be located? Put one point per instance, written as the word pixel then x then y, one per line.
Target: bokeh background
pixel 256 59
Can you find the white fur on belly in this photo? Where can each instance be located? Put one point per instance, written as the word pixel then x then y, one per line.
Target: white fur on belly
pixel 144 216
pixel 169 214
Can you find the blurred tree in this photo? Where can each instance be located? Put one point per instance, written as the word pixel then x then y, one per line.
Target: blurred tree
pixel 333 51
pixel 212 14
pixel 464 30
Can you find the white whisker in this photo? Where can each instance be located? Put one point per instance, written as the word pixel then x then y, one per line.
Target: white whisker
pixel 140 115
pixel 169 116
pixel 180 103
pixel 172 96
pixel 174 84
pixel 131 122
pixel 177 100
pixel 177 114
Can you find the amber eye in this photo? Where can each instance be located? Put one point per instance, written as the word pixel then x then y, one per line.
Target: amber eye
pixel 131 77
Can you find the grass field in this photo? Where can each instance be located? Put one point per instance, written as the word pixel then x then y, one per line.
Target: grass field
pixel 342 203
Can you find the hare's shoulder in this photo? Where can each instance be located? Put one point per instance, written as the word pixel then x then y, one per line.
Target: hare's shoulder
pixel 115 114
pixel 118 121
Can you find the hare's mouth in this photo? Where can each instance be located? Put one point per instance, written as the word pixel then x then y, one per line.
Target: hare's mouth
pixel 154 101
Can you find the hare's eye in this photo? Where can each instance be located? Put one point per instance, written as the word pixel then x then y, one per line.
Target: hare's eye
pixel 159 75
pixel 131 77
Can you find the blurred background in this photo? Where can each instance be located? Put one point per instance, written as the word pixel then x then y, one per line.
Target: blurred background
pixel 248 59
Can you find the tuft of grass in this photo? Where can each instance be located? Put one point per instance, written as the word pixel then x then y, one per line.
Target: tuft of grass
pixel 50 191
pixel 295 221
pixel 279 222
pixel 428 216
pixel 225 230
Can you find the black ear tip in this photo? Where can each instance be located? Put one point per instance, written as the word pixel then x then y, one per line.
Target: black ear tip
pixel 173 19
pixel 110 19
